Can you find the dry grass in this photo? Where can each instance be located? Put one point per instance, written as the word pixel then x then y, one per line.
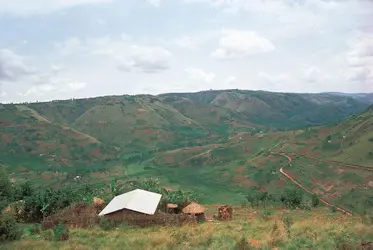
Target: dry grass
pixel 318 229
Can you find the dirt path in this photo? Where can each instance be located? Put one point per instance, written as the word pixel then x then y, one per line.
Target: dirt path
pixel 287 175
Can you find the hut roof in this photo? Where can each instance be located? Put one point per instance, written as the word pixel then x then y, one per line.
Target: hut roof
pixel 137 200
pixel 169 205
pixel 194 208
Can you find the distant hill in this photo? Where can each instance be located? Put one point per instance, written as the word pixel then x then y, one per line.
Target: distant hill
pixel 282 110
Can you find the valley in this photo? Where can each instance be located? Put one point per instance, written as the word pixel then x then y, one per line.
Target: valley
pixel 219 144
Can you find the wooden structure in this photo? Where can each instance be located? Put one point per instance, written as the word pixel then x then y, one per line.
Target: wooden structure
pixel 225 212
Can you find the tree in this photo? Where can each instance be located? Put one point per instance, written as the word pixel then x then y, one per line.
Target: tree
pixel 292 198
pixel 315 200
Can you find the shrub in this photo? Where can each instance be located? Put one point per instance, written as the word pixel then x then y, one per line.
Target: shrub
pixel 60 232
pixel 265 214
pixel 315 200
pixel 107 225
pixel 292 198
pixel 288 222
pixel 333 209
pixel 33 229
pixel 9 229
pixel 242 244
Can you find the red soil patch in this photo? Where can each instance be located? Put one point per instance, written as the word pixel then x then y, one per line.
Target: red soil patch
pixel 95 152
pixel 47 175
pixel 281 183
pixel 98 174
pixel 169 159
pixel 147 131
pixel 340 171
pixel 332 196
pixel 7 138
pixel 242 179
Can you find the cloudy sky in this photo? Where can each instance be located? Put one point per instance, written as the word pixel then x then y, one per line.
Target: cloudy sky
pixel 60 49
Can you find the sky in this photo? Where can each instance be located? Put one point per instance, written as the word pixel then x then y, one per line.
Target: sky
pixel 62 49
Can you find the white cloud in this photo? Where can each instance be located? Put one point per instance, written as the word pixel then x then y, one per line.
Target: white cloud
pixel 71 45
pixel 12 66
pixel 199 75
pixel 231 79
pixel 360 61
pixel 239 43
pixel 314 75
pixel 156 3
pixel 53 86
pixel 27 7
pixel 187 42
pixel 146 59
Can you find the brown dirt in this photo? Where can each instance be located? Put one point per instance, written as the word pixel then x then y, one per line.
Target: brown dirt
pixel 241 179
pixel 95 152
pixel 7 138
pixel 169 159
pixel 47 175
pixel 147 131
pixel 98 174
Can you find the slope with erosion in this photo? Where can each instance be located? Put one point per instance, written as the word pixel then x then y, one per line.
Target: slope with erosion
pixel 282 110
pixel 186 142
pixel 36 149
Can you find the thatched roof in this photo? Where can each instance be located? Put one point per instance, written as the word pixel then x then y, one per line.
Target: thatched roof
pixel 194 208
pixel 169 205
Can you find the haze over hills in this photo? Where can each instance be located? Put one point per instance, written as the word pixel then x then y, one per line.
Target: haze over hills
pixel 200 141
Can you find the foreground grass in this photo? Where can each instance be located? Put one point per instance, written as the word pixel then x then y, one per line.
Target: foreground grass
pixel 318 229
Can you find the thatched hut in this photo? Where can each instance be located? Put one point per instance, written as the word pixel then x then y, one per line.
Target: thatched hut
pixel 196 210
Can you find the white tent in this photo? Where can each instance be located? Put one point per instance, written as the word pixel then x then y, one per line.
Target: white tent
pixel 137 200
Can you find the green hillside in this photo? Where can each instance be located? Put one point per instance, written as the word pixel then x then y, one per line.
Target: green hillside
pixel 282 110
pixel 218 143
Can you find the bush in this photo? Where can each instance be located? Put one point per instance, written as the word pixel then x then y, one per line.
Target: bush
pixel 107 225
pixel 288 222
pixel 9 230
pixel 315 200
pixel 60 232
pixel 333 209
pixel 292 198
pixel 265 214
pixel 242 244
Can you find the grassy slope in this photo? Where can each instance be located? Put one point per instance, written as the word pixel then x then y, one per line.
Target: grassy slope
pixel 284 110
pixel 185 142
pixel 318 229
pixel 34 148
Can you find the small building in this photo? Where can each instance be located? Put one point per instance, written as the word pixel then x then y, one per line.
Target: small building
pixel 196 210
pixel 138 200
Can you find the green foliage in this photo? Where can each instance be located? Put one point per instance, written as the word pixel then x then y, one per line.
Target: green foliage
pixel 9 230
pixel 243 244
pixel 333 209
pixel 106 224
pixel 288 221
pixel 60 232
pixel 292 197
pixel 266 214
pixel 315 200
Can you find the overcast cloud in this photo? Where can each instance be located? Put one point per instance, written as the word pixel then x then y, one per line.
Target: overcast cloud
pixel 79 48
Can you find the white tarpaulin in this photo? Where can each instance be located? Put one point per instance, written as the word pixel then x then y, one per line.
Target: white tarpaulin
pixel 137 200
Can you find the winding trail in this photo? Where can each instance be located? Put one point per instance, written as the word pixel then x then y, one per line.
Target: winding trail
pixel 288 176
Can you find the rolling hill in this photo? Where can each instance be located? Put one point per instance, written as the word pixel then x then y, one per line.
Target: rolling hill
pixel 218 143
